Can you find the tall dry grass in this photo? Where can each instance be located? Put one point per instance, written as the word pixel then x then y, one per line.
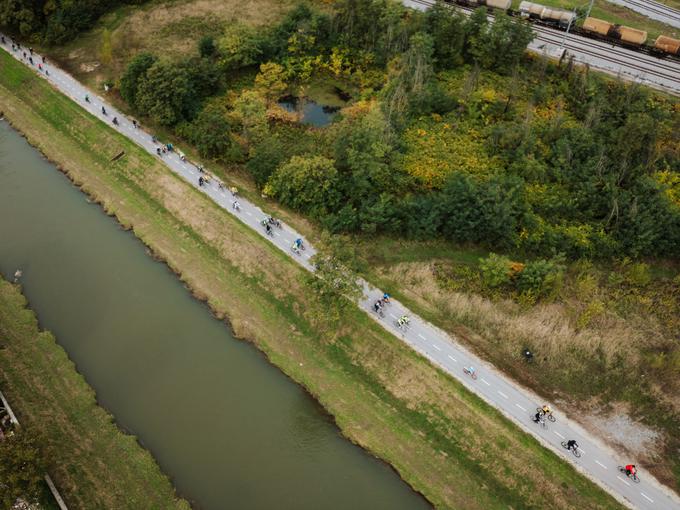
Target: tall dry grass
pixel 569 332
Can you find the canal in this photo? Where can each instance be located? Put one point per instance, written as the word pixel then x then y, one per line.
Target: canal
pixel 231 430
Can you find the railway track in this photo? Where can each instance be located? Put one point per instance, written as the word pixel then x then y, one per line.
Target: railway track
pixel 651 9
pixel 628 64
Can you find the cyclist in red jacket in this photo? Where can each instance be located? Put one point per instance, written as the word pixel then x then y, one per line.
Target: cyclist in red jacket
pixel 630 470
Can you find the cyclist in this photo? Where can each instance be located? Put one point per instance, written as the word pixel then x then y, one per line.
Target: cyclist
pixel 538 417
pixel 572 444
pixel 386 298
pixel 546 409
pixel 403 321
pixel 630 470
pixel 87 98
pixel 298 243
pixel 470 370
pixel 377 306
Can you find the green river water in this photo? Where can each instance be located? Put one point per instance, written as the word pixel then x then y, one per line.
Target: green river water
pixel 231 430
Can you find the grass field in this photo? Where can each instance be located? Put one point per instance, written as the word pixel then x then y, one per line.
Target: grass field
pixel 445 442
pixel 93 463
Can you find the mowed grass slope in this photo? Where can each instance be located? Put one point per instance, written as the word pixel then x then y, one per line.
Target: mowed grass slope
pixel 94 464
pixel 445 442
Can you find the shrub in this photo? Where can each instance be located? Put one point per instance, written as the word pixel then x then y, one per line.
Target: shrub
pixel 541 277
pixel 496 270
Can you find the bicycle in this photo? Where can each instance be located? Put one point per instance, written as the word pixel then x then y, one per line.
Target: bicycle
pixel 469 372
pixel 633 476
pixel 541 421
pixel 403 326
pixel 550 416
pixel 574 449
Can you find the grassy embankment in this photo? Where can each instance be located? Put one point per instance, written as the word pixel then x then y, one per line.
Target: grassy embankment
pixel 445 442
pixel 613 13
pixel 94 464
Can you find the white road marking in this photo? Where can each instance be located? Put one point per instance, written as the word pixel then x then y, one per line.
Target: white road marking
pixel 600 463
pixel 393 316
pixel 647 497
pixel 452 358
pixel 558 434
pixel 521 407
pixel 623 480
pixel 421 336
pixel 502 394
pixel 436 346
pixel 248 213
pixel 484 381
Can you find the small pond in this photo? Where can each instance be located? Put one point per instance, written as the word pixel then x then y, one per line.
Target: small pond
pixel 312 113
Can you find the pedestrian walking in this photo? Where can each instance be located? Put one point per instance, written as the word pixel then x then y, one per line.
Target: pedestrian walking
pixel 43 59
pixel 31 50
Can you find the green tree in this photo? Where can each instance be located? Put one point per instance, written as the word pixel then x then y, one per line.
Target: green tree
pixel 206 46
pixel 498 45
pixel 335 279
pixel 240 46
pixel 413 71
pixel 446 26
pixel 134 73
pixel 250 109
pixel 271 81
pixel 165 94
pixel 22 468
pixel 210 132
pixel 265 158
pixel 308 184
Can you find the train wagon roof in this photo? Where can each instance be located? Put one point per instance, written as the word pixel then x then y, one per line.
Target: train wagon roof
pixel 668 44
pixel 499 4
pixel 558 14
pixel 632 35
pixel 597 25
pixel 531 7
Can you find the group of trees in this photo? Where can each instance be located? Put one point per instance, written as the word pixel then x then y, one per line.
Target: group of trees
pixel 579 182
pixel 54 21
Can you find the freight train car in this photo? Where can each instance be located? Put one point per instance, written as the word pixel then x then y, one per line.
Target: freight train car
pixel 503 5
pixel 627 35
pixel 547 15
pixel 668 45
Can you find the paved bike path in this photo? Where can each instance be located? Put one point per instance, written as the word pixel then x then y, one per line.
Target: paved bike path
pixel 517 403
